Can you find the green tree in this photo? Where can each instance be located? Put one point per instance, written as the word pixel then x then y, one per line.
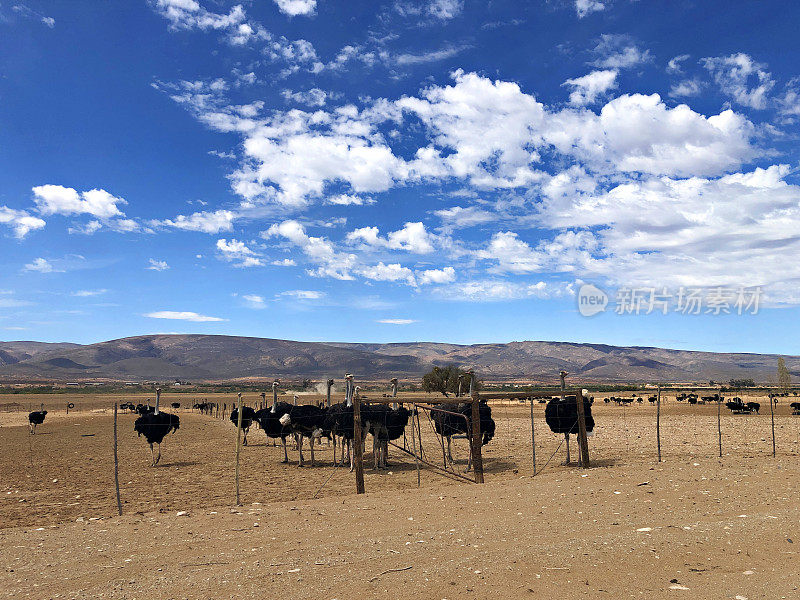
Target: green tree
pixel 784 379
pixel 445 380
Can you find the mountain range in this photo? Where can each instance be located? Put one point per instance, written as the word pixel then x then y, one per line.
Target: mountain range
pixel 221 358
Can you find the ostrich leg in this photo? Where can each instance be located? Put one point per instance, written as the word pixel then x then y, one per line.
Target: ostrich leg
pixel 566 436
pixel 285 453
pixel 152 456
pixel 311 443
pixel 299 441
pixel 158 457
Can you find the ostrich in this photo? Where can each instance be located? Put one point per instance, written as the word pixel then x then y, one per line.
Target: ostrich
pixel 304 420
pixel 248 416
pixel 456 418
pixel 393 426
pixel 339 421
pixel 562 416
pixel 795 406
pixel 269 419
pixel 176 405
pixel 753 407
pixel 155 426
pixel 36 418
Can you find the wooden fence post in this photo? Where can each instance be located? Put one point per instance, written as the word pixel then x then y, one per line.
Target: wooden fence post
pixel 116 463
pixel 358 444
pixel 583 442
pixel 719 426
pixel 658 422
pixel 772 416
pixel 238 445
pixel 533 440
pixel 414 444
pixel 477 458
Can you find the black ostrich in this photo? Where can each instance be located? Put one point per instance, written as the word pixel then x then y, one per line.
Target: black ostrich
pixel 176 405
pixel 305 420
pixel 36 418
pixel 155 426
pixel 795 406
pixel 339 421
pixel 248 416
pixel 269 419
pixel 143 409
pixel 562 417
pixel 456 418
pixel 386 425
pixel 753 407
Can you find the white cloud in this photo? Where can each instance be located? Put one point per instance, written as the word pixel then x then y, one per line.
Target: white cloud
pixel 616 51
pixel 238 253
pixel 585 7
pixel 182 316
pixel 500 290
pixel 318 250
pixel 297 7
pixel 397 321
pixel 303 294
pixel 41 265
pixel 409 58
pixel 674 64
pixel 29 13
pixel 158 265
pixel 460 216
pixel 254 301
pixel 739 76
pixel 390 272
pixel 284 262
pixel 312 97
pixel 20 221
pixel 437 9
pixel 60 200
pixel 349 200
pixel 205 222
pixel 439 276
pixel 789 104
pixel 413 237
pixel 686 88
pixel 589 87
pixel 88 293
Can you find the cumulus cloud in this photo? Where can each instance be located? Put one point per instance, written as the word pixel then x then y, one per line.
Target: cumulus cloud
pixel 442 10
pixel 41 265
pixel 182 316
pixel 21 222
pixel 586 89
pixel 297 7
pixel 205 221
pixel 321 252
pixel 157 265
pixel 60 200
pixel 461 216
pixel 739 76
pixel 238 253
pixel 686 88
pixel 436 276
pixel 586 7
pixel 413 237
pixel 615 51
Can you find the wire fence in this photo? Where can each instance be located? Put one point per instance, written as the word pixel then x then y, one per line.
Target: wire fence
pixel 65 471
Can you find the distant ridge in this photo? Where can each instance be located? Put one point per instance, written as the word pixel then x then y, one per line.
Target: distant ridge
pixel 220 358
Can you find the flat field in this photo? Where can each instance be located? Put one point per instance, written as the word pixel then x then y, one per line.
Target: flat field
pixel 719 526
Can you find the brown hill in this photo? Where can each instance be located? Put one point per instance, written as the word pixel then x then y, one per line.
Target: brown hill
pixel 217 357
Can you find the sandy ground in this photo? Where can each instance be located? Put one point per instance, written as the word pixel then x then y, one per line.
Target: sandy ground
pixel 720 527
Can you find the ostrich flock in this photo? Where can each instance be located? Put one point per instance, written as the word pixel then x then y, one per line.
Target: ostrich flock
pixel 335 422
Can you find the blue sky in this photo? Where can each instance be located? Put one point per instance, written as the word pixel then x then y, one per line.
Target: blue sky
pixel 398 170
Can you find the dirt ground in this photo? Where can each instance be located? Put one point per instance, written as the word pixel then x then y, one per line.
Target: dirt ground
pixel 723 528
